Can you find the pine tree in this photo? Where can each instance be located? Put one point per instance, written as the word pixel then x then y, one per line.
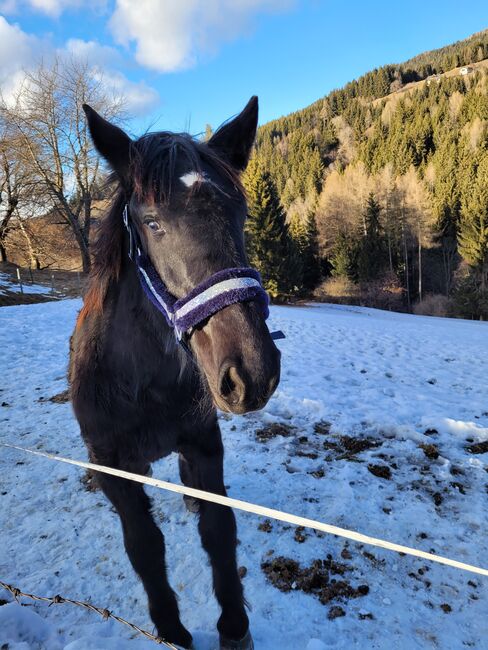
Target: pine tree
pixel 371 255
pixel 304 233
pixel 446 203
pixel 344 257
pixel 473 226
pixel 270 248
pixel 311 255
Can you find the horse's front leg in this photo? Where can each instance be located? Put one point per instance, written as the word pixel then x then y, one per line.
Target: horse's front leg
pixel 145 547
pixel 217 527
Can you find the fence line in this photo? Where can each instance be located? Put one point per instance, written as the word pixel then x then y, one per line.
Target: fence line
pixel 258 510
pixel 104 613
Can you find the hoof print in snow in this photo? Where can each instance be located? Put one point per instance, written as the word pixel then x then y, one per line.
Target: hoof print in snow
pixel 5 404
pixel 430 432
pixel 478 448
pixel 335 612
pixel 300 536
pixel 318 473
pixel 265 526
pixel 446 608
pixel 381 471
pixel 346 554
pixel 273 430
pixel 437 496
pixel 459 487
pixel 242 571
pixel 430 451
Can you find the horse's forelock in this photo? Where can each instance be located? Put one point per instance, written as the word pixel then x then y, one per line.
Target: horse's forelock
pixel 155 159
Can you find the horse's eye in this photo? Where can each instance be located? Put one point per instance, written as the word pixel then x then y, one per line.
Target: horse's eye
pixel 152 225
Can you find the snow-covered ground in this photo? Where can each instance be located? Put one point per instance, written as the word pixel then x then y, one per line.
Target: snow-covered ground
pixel 8 283
pixel 395 381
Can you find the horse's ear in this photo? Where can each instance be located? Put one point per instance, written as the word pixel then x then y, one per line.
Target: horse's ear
pixel 110 141
pixel 235 138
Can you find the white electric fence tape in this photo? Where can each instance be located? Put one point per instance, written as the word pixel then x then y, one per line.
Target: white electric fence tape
pixel 259 510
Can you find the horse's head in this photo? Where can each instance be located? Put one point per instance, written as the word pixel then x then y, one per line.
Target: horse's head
pixel 188 207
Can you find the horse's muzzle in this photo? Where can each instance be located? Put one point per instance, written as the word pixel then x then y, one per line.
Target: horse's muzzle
pixel 238 392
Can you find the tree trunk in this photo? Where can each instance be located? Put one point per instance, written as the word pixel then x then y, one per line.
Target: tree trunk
pixel 30 248
pixel 82 242
pixel 405 258
pixel 3 253
pixel 388 234
pixel 420 264
pixel 85 256
pixel 484 274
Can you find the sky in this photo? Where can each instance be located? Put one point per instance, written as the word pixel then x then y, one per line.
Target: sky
pixel 183 64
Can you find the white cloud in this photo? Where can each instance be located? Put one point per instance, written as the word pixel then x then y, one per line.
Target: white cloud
pixel 93 52
pixel 16 52
pixel 103 61
pixel 139 97
pixel 173 34
pixel 15 47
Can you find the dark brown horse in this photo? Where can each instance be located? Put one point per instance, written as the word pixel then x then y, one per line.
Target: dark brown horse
pixel 137 394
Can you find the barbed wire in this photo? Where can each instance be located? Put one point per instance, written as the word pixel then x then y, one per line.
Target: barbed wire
pixel 104 613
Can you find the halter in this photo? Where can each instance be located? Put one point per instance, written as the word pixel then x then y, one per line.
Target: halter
pixel 221 289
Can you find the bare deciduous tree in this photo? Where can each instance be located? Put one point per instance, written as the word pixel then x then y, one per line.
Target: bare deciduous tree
pixel 47 119
pixel 14 182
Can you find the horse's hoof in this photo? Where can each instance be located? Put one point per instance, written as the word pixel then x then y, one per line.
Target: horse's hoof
pixel 192 504
pixel 246 643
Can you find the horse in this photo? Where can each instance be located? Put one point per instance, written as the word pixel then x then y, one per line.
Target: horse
pixel 171 329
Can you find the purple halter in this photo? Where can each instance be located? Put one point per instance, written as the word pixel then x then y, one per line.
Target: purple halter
pixel 221 289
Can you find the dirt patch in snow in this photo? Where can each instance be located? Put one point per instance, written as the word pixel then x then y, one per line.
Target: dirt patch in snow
pixel 273 430
pixel 348 447
pixel 430 451
pixel 59 398
pixel 381 471
pixel 478 448
pixel 286 575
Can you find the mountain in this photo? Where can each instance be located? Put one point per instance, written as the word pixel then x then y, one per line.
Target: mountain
pixel 414 137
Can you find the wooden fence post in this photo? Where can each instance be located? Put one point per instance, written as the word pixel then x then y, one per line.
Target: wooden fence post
pixel 20 281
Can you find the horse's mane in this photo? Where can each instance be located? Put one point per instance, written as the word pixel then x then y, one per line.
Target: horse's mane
pixel 152 171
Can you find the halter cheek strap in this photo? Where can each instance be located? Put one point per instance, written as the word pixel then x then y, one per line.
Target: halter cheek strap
pixel 221 289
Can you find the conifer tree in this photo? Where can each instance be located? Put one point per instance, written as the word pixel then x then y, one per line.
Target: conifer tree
pixel 371 255
pixel 344 257
pixel 311 255
pixel 473 226
pixel 304 233
pixel 270 248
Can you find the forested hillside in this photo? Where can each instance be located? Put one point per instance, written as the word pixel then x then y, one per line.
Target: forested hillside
pixel 384 183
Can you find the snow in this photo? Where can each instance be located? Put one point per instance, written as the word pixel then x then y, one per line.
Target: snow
pixel 394 379
pixel 8 283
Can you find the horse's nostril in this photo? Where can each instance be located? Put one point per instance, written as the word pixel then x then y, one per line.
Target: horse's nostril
pixel 273 382
pixel 232 387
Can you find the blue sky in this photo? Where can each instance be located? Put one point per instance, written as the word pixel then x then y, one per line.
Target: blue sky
pixel 186 63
